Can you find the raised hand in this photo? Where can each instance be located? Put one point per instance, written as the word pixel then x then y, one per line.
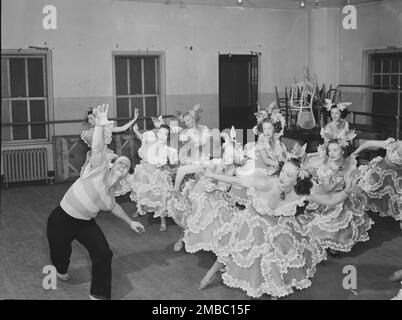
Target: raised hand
pixel 136 114
pixel 100 114
pixel 135 127
pixel 388 141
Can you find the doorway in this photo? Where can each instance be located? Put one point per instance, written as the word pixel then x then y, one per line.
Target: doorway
pixel 238 92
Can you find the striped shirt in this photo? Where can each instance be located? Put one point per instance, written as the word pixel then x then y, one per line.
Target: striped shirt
pixel 88 195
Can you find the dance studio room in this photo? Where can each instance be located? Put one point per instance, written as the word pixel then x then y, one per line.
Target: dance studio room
pixel 201 150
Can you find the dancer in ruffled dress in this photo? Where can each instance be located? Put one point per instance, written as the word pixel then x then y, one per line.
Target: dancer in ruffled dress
pixel 195 137
pixel 264 248
pixel 338 227
pixel 87 134
pixel 338 126
pixel 151 183
pixel 381 179
pixel 266 154
pixel 260 115
pixel 180 206
pixel 186 208
pixel 192 156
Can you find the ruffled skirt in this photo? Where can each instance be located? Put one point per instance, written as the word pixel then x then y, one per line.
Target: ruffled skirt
pixel 267 254
pixel 211 209
pixel 151 190
pixel 340 227
pixel 263 254
pixel 381 188
pixel 179 207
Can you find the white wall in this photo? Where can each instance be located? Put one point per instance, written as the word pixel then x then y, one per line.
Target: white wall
pixel 323 44
pixel 378 26
pixel 89 30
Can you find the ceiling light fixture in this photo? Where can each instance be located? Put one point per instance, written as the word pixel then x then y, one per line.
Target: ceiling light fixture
pixel 302 4
pixel 239 1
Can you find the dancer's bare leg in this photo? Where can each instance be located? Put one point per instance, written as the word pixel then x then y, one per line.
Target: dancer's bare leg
pixel 211 274
pixel 396 276
pixel 163 224
pixel 179 243
pixel 183 171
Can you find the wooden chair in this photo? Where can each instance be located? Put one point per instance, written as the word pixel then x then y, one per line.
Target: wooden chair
pixel 305 117
pixel 283 104
pixel 295 102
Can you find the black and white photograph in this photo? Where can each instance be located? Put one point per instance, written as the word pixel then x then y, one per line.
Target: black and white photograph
pixel 226 151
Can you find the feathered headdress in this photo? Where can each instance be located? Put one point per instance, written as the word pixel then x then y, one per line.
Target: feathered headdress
pixel 299 152
pixel 344 140
pixel 157 121
pixel 341 106
pixel 274 116
pixel 232 150
pixel 193 112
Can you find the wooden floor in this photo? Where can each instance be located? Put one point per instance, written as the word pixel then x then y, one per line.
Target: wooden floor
pixel 145 266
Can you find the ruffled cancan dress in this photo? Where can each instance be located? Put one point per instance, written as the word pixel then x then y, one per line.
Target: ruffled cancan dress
pixel 341 226
pixel 381 184
pixel 265 251
pixel 196 149
pixel 255 164
pixel 151 183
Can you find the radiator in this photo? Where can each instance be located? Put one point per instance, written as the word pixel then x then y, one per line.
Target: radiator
pixel 23 165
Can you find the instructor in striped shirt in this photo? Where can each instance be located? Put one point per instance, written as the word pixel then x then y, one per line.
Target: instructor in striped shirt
pixel 74 218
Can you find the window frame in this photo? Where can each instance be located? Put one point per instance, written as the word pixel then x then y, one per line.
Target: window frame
pixel 161 80
pixel 46 57
pixel 368 73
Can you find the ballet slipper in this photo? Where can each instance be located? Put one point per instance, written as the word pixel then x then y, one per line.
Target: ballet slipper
pixel 206 281
pixel 135 214
pixel 396 276
pixel 178 245
pixel 333 253
pixel 223 269
pixel 91 297
pixel 398 296
pixel 162 228
pixel 63 277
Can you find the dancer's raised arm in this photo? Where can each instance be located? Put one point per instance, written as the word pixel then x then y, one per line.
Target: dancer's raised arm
pixel 98 142
pixel 373 144
pixel 334 198
pixel 137 132
pixel 128 124
pixel 236 181
pixel 255 181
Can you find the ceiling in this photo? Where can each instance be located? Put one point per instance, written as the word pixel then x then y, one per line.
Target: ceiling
pixel 273 4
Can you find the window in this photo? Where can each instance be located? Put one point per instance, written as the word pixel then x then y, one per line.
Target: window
pixel 137 86
pixel 24 97
pixel 386 76
pixel 387 69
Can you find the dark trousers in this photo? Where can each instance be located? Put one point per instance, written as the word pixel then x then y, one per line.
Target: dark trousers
pixel 62 229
